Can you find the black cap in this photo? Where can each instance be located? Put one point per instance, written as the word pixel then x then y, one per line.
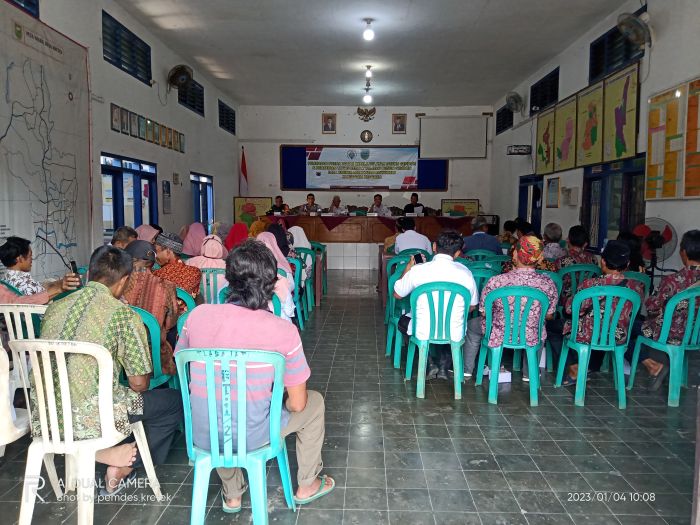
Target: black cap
pixel 616 254
pixel 141 250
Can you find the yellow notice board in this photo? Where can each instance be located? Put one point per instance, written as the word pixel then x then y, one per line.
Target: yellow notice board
pixel 665 144
pixel 545 143
pixel 620 120
pixel 692 142
pixel 565 135
pixel 589 136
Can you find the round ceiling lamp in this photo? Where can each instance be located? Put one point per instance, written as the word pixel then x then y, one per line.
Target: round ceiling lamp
pixel 368 73
pixel 367 99
pixel 368 33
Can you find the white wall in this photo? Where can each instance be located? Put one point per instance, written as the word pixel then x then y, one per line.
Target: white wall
pixel 673 59
pixel 264 128
pixel 209 149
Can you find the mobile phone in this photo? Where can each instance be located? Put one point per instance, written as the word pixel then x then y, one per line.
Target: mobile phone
pixel 418 258
pixel 74 267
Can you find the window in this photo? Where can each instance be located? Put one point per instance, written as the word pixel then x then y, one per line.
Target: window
pixel 613 199
pixel 544 92
pixel 30 6
pixel 129 193
pixel 612 52
pixel 202 198
pixel 192 97
pixel 227 118
pixel 504 119
pixel 123 49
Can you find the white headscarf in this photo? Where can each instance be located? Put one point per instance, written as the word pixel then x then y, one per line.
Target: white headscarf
pixel 300 240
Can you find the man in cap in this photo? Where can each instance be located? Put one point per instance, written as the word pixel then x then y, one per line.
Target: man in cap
pixel 480 239
pixel 172 268
pixel 155 295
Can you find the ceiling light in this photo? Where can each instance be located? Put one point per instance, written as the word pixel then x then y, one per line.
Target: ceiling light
pixel 368 73
pixel 678 93
pixel 368 33
pixel 367 99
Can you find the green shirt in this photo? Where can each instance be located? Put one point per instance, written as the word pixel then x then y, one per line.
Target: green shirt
pixel 93 315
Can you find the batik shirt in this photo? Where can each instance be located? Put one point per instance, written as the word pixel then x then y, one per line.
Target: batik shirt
pixel 182 275
pixel 586 313
pixel 93 315
pixel 552 250
pixel 573 256
pixel 23 281
pixel 668 287
pixel 527 277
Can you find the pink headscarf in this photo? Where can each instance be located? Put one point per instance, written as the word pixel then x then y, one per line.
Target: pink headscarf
pixel 213 256
pixel 147 233
pixel 192 243
pixel 269 240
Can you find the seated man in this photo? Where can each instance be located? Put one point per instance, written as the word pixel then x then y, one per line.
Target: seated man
pixel 379 208
pixel 408 238
pixel 576 253
pixel 123 236
pixel 614 261
pixel 508 235
pixel 442 268
pixel 94 314
pixel 526 254
pixel 656 362
pixel 310 206
pixel 16 255
pixel 336 208
pixel 411 206
pixel 480 238
pixel 155 295
pixel 245 322
pixel 172 267
pixel 279 206
pixel 552 236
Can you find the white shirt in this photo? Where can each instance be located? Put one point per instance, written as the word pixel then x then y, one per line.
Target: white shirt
pixel 412 239
pixel 381 210
pixel 441 269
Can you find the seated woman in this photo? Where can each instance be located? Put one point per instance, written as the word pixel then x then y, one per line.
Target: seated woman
pixel 552 236
pixel 147 233
pixel 299 240
pixel 236 235
pixel 213 256
pixel 283 286
pixel 16 255
pixel 192 242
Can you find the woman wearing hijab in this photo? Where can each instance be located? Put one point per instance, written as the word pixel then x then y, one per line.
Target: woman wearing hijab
pixel 192 243
pixel 257 228
pixel 147 233
pixel 236 235
pixel 283 287
pixel 280 236
pixel 213 255
pixel 301 241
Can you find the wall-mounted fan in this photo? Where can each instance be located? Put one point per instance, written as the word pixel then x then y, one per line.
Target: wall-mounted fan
pixel 514 102
pixel 180 76
pixel 635 28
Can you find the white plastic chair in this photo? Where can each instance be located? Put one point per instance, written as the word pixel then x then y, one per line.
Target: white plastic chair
pixel 10 430
pixel 80 454
pixel 20 326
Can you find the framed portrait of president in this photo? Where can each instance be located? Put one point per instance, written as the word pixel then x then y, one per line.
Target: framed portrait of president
pixel 398 123
pixel 328 123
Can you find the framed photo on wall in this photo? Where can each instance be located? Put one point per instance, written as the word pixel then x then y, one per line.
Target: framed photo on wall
pixel 329 122
pixel 133 124
pixel 149 130
pixel 156 133
pixel 163 136
pixel 459 207
pixel 553 192
pixel 398 123
pixel 176 141
pixel 115 117
pixel 248 209
pixel 125 121
pixel 142 127
pixel 182 142
pixel 170 137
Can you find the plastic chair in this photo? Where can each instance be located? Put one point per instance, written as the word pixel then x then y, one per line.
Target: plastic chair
pixel 220 378
pixel 153 329
pixel 410 252
pixel 559 283
pixel 10 430
pixel 395 310
pixel 210 284
pixel 479 255
pixel 514 335
pixel 642 277
pixel 47 356
pixel 301 313
pixel 308 257
pixel 185 298
pixel 677 352
pixel 11 288
pixel 389 270
pixel 322 249
pixel 181 322
pixel 606 320
pixel 441 298
pixel 276 303
pixel 576 274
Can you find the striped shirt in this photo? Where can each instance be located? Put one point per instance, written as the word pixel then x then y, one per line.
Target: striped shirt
pixel 235 327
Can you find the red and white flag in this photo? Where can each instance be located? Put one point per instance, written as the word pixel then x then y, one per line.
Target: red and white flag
pixel 243 181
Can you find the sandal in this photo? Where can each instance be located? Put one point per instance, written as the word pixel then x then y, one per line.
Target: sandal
pixel 125 482
pixel 227 509
pixel 327 486
pixel 568 381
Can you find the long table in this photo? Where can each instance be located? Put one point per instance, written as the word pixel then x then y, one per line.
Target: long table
pixel 368 229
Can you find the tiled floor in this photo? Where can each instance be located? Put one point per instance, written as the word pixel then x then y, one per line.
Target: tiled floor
pixel 438 461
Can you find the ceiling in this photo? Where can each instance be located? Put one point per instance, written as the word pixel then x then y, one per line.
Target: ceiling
pixel 311 52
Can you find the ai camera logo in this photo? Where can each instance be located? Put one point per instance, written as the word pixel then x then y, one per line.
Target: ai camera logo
pixel 351 154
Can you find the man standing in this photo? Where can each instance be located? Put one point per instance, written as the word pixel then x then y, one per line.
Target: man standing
pixel 409 238
pixel 94 314
pixel 310 206
pixel 379 208
pixel 442 268
pixel 172 267
pixel 480 239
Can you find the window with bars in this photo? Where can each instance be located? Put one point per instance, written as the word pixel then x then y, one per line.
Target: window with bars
pixel 544 92
pixel 504 119
pixel 612 52
pixel 227 118
pixel 192 97
pixel 30 6
pixel 123 49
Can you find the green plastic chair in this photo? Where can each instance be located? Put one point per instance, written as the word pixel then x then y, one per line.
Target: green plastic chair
pixel 210 284
pixel 393 312
pixel 556 278
pixel 221 381
pixel 505 246
pixel 479 265
pixel 181 322
pixel 11 288
pixel 441 298
pixel 576 273
pixel 643 277
pixel 308 256
pixel 185 298
pixel 390 268
pixel 606 319
pixel 276 303
pixel 301 313
pixel 479 255
pixel 410 252
pixel 677 353
pixel 514 336
pixel 322 249
pixel 481 277
pixel 153 329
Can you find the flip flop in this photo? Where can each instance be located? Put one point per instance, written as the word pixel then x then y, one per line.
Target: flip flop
pixel 227 509
pixel 568 381
pixel 322 491
pixel 120 486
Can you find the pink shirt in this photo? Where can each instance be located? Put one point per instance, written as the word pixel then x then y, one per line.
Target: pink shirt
pixel 8 297
pixel 231 326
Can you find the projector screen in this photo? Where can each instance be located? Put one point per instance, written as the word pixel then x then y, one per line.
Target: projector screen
pixel 453 137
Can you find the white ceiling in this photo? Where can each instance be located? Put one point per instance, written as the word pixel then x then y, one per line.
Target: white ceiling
pixel 311 53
